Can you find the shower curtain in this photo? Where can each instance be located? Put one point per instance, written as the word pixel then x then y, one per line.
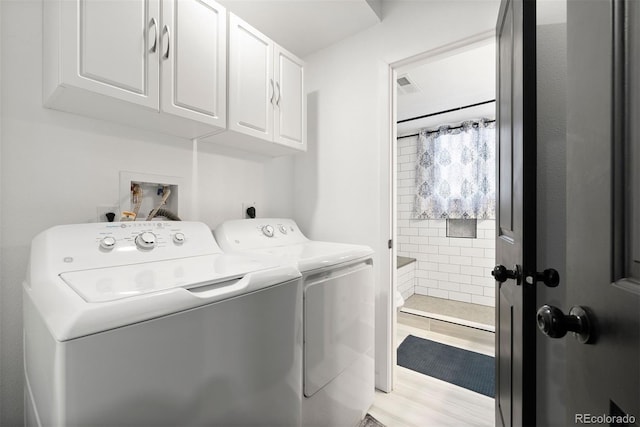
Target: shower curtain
pixel 455 172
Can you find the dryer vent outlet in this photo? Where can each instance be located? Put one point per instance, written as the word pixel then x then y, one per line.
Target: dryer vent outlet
pixel 249 210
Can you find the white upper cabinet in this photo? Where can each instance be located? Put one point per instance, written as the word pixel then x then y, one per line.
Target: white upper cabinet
pixel 162 65
pixel 290 103
pixel 112 53
pixel 267 104
pixel 194 70
pixel 251 85
pixel 102 58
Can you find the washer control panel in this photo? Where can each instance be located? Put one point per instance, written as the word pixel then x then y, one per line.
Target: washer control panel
pixel 102 244
pixel 144 236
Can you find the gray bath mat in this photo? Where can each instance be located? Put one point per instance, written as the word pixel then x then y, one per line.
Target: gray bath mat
pixel 369 421
pixel 468 369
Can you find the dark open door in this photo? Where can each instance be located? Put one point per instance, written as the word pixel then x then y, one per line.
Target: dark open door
pixel 516 219
pixel 603 212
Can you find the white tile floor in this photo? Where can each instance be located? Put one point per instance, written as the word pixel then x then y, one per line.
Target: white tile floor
pixel 419 400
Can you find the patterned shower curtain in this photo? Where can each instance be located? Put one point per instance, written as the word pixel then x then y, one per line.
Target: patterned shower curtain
pixel 456 172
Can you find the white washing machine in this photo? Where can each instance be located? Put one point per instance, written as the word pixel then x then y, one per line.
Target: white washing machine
pixel 150 324
pixel 338 313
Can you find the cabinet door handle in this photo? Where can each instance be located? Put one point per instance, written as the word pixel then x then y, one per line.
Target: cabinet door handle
pixel 279 96
pixel 154 24
pixel 166 31
pixel 273 92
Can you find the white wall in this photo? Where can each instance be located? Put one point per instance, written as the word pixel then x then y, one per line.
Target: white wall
pixel 342 184
pixel 57 168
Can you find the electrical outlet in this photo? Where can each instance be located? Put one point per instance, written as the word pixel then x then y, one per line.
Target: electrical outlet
pixel 247 205
pixel 102 210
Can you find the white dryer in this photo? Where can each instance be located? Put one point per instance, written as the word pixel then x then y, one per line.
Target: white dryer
pixel 150 324
pixel 338 313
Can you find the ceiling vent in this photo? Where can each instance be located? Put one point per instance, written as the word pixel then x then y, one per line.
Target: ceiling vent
pixel 406 84
pixel 403 81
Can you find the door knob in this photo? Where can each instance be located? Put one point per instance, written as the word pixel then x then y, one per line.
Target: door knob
pixel 554 324
pixel 501 273
pixel 549 277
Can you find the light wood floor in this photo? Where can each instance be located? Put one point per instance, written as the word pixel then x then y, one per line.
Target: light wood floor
pixel 422 401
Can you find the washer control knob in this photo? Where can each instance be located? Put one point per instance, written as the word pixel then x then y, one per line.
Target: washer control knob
pixel 283 229
pixel 108 243
pixel 267 230
pixel 178 238
pixel 146 240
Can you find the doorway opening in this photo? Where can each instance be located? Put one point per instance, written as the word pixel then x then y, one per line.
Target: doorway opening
pixel 443 288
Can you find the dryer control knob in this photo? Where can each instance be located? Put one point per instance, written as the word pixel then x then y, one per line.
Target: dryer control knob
pixel 146 240
pixel 283 229
pixel 178 238
pixel 108 243
pixel 267 230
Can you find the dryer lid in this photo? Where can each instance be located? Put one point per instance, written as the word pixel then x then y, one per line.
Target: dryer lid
pixel 313 255
pixel 281 237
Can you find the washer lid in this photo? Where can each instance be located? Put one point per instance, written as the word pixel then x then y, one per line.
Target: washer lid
pixel 89 278
pixel 79 303
pixel 114 283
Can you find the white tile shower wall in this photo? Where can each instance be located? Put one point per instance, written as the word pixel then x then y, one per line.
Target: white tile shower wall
pixel 407 280
pixel 446 267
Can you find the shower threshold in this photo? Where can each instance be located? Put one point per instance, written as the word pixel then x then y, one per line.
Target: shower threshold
pixel 460 313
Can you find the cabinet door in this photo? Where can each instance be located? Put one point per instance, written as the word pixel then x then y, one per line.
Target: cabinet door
pixel 251 84
pixel 290 102
pixel 108 48
pixel 193 60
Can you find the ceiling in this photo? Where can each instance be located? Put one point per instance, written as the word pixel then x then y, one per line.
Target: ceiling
pixel 306 26
pixel 464 78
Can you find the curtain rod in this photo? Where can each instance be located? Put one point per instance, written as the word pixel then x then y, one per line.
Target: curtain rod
pixel 434 131
pixel 447 111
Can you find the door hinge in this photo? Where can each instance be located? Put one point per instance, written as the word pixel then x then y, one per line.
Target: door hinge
pixel 390 244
